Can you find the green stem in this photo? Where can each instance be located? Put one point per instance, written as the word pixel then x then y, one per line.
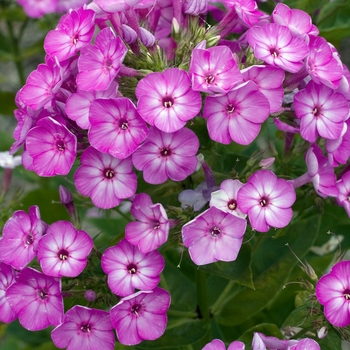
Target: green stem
pixel 184 314
pixel 221 300
pixel 202 295
pixel 17 57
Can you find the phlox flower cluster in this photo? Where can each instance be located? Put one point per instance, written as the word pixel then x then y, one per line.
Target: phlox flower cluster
pixel 129 93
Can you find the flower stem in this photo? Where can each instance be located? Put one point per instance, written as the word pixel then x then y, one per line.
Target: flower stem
pixel 17 57
pixel 202 295
pixel 221 300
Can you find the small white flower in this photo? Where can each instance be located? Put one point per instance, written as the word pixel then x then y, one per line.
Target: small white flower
pixel 9 161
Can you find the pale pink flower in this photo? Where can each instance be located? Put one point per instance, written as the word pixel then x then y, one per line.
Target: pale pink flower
pixel 166 100
pixel 237 115
pixel 128 268
pixel 52 147
pixel 99 64
pixel 267 200
pixel 121 130
pixel 167 155
pixel 322 112
pixel 213 235
pixel 141 316
pixel 74 30
pixel 106 179
pixel 63 250
pixel 276 45
pixel 36 299
pixel 151 229
pixel 84 328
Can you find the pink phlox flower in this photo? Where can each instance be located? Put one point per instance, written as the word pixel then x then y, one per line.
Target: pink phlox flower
pixel 320 172
pixel 269 81
pixel 84 328
pixel 74 30
pixel 237 115
pixel 226 197
pixel 338 150
pixel 42 85
pixel 36 299
pixel 99 64
pixel 343 197
pixel 263 342
pixel 267 200
pixel 195 7
pixel 141 316
pixel 333 292
pixel 116 5
pixel 247 11
pixel 305 343
pixel 276 45
pixel 128 268
pixel 167 100
pixel 213 235
pixel 167 155
pixel 214 70
pixel 63 250
pixel 344 83
pixel 321 63
pixel 322 112
pixel 7 278
pixel 104 178
pixel 151 229
pixel 120 131
pixel 52 146
pixel 78 104
pixel 298 21
pixel 20 236
pixel 37 9
pixel 218 344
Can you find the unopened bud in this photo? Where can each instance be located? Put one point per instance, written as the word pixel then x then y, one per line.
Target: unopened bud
pixel 129 34
pixel 146 37
pixel 90 295
pixel 267 162
pixel 322 332
pixel 65 195
pixel 175 29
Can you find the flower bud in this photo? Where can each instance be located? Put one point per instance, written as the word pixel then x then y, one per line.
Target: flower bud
pixel 195 7
pixel 146 37
pixel 267 162
pixel 322 332
pixel 129 35
pixel 90 295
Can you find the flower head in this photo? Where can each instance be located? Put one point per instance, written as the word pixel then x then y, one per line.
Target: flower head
pixel 167 100
pixel 151 229
pixel 267 200
pixel 141 316
pixel 52 147
pixel 84 328
pixel 20 236
pixel 165 155
pixel 128 268
pixel 7 278
pixel 213 235
pixel 63 250
pixel 104 178
pixel 333 292
pixel 36 299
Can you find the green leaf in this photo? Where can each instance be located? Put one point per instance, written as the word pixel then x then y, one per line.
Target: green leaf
pixel 238 271
pixel 178 333
pixel 309 6
pixel 331 342
pixel 265 328
pixel 269 283
pixel 333 21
